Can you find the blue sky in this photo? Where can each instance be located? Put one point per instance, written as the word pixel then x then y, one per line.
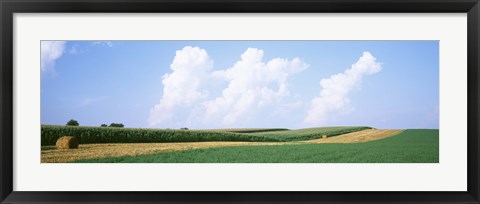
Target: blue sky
pixel 218 84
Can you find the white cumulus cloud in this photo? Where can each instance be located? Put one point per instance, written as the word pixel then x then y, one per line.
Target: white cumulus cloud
pixel 50 51
pixel 252 85
pixel 334 90
pixel 183 86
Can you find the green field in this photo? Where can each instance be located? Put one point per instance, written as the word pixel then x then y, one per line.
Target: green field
pixel 95 135
pixel 248 130
pixel 308 133
pixel 410 146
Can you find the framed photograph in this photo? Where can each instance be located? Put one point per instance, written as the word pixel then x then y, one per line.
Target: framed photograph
pixel 241 101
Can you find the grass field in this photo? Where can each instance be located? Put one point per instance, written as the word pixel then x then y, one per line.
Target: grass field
pixel 410 146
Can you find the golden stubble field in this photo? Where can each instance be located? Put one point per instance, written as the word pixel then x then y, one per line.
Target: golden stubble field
pixel 88 151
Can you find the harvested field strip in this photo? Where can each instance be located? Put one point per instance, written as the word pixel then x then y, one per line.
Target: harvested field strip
pixel 355 137
pixel 88 151
pixel 130 149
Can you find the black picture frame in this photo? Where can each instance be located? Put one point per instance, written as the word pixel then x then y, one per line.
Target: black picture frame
pixel 10 7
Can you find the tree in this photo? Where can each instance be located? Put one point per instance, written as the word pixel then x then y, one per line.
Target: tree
pixel 103 125
pixel 72 122
pixel 116 125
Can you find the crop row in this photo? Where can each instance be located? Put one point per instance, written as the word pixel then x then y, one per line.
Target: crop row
pixel 90 135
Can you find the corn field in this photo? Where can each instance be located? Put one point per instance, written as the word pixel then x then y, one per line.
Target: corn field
pixel 92 135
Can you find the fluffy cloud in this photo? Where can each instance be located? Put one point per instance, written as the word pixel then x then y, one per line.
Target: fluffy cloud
pixel 50 51
pixel 182 87
pixel 252 85
pixel 334 93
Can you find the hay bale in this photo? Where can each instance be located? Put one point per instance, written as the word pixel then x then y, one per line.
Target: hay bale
pixel 324 136
pixel 67 142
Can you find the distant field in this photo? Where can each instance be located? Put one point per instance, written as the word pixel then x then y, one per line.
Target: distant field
pixel 95 135
pixel 248 130
pixel 410 146
pixel 308 133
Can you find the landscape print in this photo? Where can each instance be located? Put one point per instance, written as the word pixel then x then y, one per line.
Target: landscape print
pixel 239 101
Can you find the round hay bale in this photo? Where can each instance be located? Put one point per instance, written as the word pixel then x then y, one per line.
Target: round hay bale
pixel 67 142
pixel 324 136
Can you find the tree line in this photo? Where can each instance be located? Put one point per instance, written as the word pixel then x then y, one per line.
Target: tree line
pixel 73 122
